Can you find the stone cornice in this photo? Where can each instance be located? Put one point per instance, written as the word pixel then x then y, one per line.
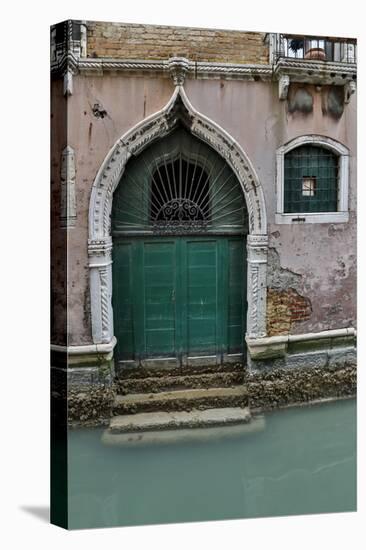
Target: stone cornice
pixel 311 71
pixel 192 69
pixel 315 72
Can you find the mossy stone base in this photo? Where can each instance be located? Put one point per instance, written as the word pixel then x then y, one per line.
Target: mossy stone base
pixel 90 390
pixel 295 379
pixel 281 387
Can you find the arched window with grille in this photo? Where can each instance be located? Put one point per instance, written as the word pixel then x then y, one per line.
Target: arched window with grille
pixel 312 181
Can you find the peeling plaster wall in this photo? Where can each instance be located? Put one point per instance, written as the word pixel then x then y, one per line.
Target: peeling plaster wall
pixel 321 257
pixel 324 258
pixel 285 304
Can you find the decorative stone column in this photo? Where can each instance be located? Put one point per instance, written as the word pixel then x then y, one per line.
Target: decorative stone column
pixel 100 264
pixel 257 246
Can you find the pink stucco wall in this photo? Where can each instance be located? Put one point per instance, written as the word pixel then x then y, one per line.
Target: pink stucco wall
pixel 324 255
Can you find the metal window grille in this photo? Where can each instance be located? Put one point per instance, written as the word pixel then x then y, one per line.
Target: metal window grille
pixel 311 180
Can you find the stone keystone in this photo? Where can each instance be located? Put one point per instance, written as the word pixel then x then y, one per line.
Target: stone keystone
pixel 178 68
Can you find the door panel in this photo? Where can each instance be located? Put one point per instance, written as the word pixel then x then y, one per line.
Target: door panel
pixel 179 297
pixel 123 300
pixel 159 287
pixel 236 296
pixel 201 296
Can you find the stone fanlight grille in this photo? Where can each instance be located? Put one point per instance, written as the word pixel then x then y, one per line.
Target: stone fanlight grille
pixel 180 194
pixel 179 185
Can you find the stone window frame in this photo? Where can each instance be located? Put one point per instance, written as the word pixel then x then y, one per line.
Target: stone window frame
pixel 342 213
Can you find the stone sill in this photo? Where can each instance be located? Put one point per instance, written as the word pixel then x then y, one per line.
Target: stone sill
pixel 277 346
pixel 308 217
pixel 87 354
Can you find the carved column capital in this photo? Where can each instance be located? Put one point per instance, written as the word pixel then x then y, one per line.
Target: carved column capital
pixel 100 252
pixel 257 246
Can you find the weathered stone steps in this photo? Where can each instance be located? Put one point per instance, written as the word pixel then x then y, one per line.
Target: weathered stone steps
pixel 181 400
pixel 195 433
pixel 154 384
pixel 178 419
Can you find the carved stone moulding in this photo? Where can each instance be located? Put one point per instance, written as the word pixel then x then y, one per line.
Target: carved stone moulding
pixel 176 67
pixel 257 246
pixel 178 109
pixel 315 69
pixel 100 252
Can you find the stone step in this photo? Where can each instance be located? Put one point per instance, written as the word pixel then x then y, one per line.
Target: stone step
pixel 178 419
pixel 181 400
pixel 177 427
pixel 132 372
pixel 153 384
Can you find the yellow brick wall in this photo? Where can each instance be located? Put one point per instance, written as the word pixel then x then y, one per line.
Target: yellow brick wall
pixel 131 41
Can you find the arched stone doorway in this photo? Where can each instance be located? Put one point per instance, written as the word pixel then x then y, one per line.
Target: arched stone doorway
pixel 179 226
pixel 177 113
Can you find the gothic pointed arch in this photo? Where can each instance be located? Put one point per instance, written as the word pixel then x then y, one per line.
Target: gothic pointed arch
pixel 178 111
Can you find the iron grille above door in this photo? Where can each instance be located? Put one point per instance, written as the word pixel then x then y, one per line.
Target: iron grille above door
pixel 179 194
pixel 178 185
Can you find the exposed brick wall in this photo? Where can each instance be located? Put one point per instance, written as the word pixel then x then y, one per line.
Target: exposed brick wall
pixel 285 307
pixel 131 41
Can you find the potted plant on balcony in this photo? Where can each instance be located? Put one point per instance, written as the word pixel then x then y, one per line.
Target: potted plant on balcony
pixel 314 49
pixel 296 44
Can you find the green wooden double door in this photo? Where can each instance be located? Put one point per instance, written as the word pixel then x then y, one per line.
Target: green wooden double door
pixel 179 299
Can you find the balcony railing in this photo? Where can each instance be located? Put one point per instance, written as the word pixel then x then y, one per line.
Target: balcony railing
pixel 339 50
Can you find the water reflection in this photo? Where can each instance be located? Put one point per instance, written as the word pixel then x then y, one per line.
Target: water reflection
pixel 298 461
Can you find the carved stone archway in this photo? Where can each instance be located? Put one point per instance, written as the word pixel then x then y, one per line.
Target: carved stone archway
pixel 178 110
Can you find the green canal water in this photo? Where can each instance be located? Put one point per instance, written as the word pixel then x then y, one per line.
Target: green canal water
pixel 300 461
